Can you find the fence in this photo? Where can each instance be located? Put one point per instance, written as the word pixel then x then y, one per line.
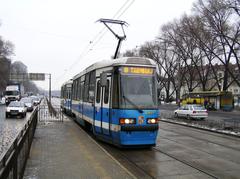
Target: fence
pixel 53 114
pixel 13 161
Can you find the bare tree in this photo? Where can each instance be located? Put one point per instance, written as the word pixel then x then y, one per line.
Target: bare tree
pixel 130 53
pixel 235 5
pixel 205 60
pixel 185 50
pixel 218 21
pixel 4 72
pixel 192 50
pixel 6 50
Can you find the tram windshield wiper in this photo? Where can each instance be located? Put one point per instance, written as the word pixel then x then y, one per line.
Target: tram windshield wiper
pixel 132 103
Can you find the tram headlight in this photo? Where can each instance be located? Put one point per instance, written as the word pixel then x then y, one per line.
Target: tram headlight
pixel 152 120
pixel 127 121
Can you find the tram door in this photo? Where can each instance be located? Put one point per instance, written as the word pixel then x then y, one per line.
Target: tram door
pixel 102 112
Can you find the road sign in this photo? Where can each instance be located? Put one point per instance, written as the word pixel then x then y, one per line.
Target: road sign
pixel 18 76
pixel 36 76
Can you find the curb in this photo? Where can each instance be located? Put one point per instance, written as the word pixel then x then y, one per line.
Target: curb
pixel 233 134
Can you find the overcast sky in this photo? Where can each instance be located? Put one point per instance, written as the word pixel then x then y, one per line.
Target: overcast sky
pixel 62 37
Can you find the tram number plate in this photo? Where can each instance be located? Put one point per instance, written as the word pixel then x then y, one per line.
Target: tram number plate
pixel 140 119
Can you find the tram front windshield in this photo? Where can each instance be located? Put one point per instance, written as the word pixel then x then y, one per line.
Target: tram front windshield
pixel 138 89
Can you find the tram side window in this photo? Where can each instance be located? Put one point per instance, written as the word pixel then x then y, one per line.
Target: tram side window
pixel 81 90
pixel 115 91
pixel 70 93
pixel 92 86
pixel 106 93
pixel 61 92
pixel 86 88
pixel 67 93
pixel 64 92
pixel 75 94
pixel 74 89
pixel 78 89
pixel 98 92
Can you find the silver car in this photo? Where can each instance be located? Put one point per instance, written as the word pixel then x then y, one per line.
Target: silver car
pixel 28 102
pixel 16 108
pixel 36 100
pixel 191 112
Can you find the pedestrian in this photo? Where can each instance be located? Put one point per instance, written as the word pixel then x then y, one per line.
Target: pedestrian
pixel 205 103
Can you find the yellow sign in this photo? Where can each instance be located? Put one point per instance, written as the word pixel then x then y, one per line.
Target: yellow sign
pixel 138 70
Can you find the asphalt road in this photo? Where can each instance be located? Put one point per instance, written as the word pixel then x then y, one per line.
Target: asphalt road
pixel 9 129
pixel 183 152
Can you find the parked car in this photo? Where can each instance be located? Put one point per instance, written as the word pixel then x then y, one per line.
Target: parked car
pixel 191 112
pixel 28 102
pixel 16 108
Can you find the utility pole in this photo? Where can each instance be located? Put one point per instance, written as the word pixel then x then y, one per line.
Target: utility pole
pixel 178 91
pixel 50 95
pixel 120 38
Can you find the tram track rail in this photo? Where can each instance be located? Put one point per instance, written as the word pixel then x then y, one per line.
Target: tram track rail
pixel 120 155
pixel 204 151
pixel 137 167
pixel 186 163
pixel 137 171
pixel 206 140
pixel 143 173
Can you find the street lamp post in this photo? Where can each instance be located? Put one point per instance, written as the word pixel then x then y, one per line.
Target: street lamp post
pixel 50 88
pixel 178 91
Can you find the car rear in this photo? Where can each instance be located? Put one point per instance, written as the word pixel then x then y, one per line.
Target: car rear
pixel 28 102
pixel 199 112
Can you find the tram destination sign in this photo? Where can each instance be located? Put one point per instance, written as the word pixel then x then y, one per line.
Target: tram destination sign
pixel 138 70
pixel 36 76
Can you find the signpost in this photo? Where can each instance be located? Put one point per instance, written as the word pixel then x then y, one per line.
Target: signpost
pixel 32 77
pixel 36 76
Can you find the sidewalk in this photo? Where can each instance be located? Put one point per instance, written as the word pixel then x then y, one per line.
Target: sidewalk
pixel 64 150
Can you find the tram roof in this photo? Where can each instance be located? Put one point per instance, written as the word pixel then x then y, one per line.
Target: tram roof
pixel 118 62
pixel 68 82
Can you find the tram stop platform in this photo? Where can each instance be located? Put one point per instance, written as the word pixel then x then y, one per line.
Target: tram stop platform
pixel 64 150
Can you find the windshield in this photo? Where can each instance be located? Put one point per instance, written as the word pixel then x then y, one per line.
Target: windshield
pixel 198 108
pixel 12 93
pixel 16 104
pixel 138 91
pixel 26 100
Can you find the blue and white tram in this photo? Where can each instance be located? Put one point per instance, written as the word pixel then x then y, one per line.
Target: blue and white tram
pixel 66 97
pixel 117 101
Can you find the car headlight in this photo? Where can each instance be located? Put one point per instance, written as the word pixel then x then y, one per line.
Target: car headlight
pixel 127 121
pixel 152 120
